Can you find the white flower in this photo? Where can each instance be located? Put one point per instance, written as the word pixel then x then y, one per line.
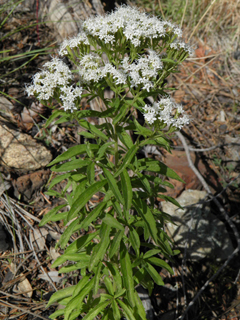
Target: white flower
pixel 80 40
pixel 144 70
pixel 164 111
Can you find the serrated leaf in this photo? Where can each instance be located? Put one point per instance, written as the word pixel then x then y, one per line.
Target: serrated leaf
pixel 127 275
pixel 126 189
pixel 80 202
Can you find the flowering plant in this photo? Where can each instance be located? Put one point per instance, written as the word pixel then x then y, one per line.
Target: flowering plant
pixel 132 54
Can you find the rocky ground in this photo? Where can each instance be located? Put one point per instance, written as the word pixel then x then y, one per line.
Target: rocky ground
pixel 206 155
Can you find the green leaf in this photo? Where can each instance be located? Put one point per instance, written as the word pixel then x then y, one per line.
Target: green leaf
pixel 54 115
pixel 126 189
pixel 48 217
pixel 71 165
pixel 159 167
pixel 102 150
pixel 124 137
pixel 112 222
pixel 76 302
pixel 63 241
pixel 142 130
pixel 80 256
pixel 134 239
pixel 126 310
pixel 151 253
pixel 61 294
pixel 127 159
pixel 116 312
pixel 97 278
pixel 160 263
pixel 127 275
pixel 101 248
pixel 109 285
pixel 93 215
pixel 146 214
pixel 71 152
pixel 154 274
pixel 91 172
pixel 56 314
pixel 77 266
pixel 95 311
pixel 117 277
pixel 139 308
pixel 58 179
pixel 81 242
pixel 113 185
pixel 80 202
pixel 115 245
pixel 86 134
pixel 93 129
pixel 121 114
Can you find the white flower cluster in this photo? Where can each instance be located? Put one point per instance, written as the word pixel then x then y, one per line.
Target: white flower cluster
pixel 163 111
pixel 73 43
pixel 178 45
pixel 135 25
pixel 93 69
pixel 143 70
pixel 58 76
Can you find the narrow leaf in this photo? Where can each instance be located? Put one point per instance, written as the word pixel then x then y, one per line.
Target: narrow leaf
pixel 95 311
pixel 80 202
pixel 126 189
pixel 113 185
pixel 115 245
pixel 154 274
pixel 112 222
pixel 126 269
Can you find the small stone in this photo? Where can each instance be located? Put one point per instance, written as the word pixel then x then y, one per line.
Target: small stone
pixel 20 151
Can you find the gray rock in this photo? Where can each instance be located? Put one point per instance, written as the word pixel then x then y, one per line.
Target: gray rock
pixel 20 151
pixel 196 228
pixel 146 301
